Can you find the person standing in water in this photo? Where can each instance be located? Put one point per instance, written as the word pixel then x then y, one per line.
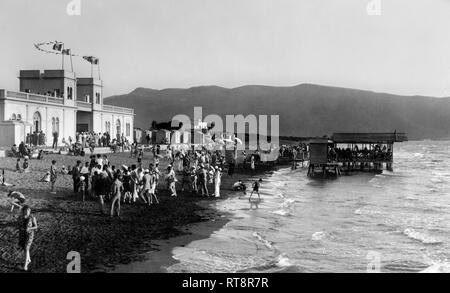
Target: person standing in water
pixel 256 186
pixel 27 226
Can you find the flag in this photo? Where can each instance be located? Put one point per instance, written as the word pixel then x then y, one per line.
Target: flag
pixel 58 46
pixel 91 59
pixel 66 52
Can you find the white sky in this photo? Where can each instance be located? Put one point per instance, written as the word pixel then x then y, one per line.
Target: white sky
pixel 183 43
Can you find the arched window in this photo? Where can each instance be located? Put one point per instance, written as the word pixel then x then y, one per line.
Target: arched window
pixel 108 127
pixel 13 117
pixel 19 117
pixel 118 128
pixel 37 122
pixel 127 129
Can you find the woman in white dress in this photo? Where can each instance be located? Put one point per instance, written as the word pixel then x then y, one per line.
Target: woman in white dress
pixel 217 181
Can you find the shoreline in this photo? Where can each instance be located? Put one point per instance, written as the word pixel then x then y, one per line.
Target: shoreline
pixel 68 224
pixel 157 261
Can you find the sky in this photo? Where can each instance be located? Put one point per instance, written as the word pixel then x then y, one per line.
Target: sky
pixel 184 43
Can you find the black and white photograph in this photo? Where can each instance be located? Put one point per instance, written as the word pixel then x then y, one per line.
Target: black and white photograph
pixel 249 138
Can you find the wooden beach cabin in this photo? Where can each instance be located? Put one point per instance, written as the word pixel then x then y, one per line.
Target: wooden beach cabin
pixel 320 162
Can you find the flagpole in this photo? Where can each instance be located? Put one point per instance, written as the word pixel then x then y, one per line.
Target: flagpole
pixel 71 62
pixel 98 67
pixel 62 53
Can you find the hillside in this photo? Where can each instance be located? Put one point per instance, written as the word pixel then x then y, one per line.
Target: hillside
pixel 305 110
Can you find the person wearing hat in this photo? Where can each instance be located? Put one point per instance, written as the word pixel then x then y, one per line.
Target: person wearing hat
pixel 18 199
pixel 202 180
pixel 82 187
pixel 171 179
pixel 76 176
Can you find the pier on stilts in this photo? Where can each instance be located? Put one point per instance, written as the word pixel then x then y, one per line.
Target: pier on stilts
pixel 352 152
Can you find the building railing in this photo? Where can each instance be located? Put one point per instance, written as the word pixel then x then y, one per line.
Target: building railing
pixel 84 105
pixel 33 97
pixel 60 101
pixel 118 109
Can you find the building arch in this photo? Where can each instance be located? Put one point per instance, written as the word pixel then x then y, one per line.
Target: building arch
pixel 118 128
pixel 37 122
pixel 108 127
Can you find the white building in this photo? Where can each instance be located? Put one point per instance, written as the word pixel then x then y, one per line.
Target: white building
pixel 57 101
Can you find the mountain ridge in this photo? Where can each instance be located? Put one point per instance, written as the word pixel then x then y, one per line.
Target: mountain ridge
pixel 304 109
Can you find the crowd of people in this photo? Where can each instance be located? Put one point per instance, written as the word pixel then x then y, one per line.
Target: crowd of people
pixel 37 138
pixel 195 172
pixel 81 141
pixel 381 153
pixel 294 152
pixel 93 140
pixel 27 151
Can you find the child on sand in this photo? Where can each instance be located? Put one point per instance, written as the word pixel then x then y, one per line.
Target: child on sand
pixel 18 167
pixel 46 177
pixel 18 199
pixel 240 186
pixel 26 166
pixel 256 186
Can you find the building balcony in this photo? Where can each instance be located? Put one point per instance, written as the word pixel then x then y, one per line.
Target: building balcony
pixel 81 105
pixel 115 109
pixel 5 94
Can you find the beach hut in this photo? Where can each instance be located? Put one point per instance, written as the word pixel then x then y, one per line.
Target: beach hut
pixel 319 159
pixel 162 136
pixel 138 135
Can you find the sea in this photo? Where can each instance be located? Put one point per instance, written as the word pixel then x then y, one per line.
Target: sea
pixel 394 222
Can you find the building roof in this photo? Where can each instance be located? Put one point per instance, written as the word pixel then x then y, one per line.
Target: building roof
pixel 319 140
pixel 384 137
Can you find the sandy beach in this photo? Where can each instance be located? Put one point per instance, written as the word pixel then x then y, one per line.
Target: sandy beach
pixel 68 224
